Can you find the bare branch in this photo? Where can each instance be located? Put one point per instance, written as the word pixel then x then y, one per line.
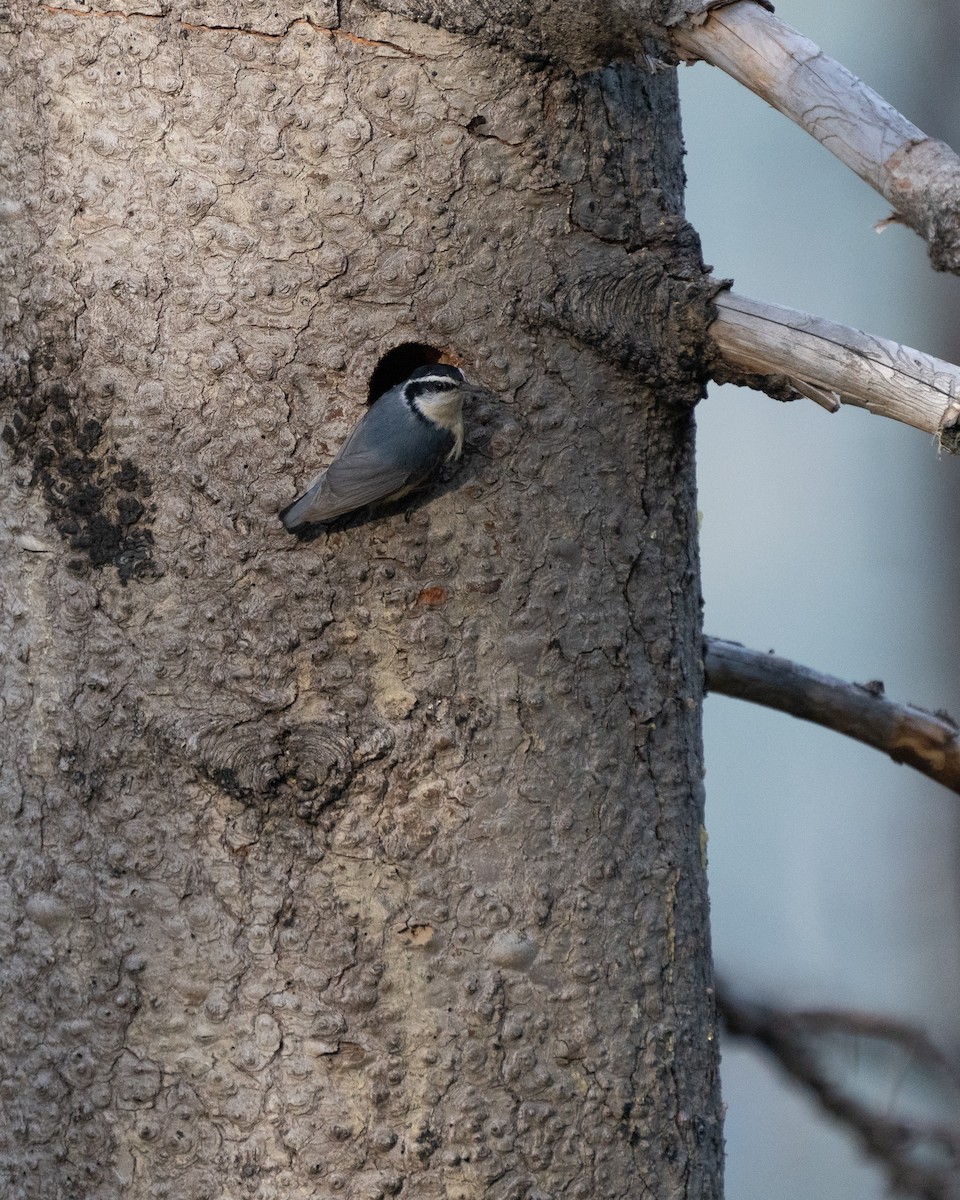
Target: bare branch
pixel 921 1157
pixel 923 740
pixel 918 175
pixel 869 372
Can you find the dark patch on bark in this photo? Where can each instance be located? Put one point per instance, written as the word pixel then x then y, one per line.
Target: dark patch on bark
pixel 428 1142
pixel 94 497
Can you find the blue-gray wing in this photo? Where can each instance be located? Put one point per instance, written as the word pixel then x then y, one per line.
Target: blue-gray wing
pixel 388 452
pixel 347 484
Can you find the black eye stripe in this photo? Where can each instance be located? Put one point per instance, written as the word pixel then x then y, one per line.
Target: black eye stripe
pixel 433 383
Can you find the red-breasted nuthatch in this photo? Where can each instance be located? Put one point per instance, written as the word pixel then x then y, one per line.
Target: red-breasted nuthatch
pixel 400 440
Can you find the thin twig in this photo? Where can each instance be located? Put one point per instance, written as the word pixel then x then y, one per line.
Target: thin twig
pixel 923 740
pixel 918 175
pixel 920 1157
pixel 915 1043
pixel 869 372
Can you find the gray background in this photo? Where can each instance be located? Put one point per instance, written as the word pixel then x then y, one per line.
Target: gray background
pixel 831 540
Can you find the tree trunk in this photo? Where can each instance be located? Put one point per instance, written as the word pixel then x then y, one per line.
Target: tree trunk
pixel 369 863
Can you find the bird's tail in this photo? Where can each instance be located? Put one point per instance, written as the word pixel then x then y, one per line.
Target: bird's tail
pixel 295 514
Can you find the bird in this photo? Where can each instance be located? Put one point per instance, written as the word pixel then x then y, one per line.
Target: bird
pixel 400 440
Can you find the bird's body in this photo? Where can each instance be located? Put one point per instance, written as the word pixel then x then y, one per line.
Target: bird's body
pixel 400 440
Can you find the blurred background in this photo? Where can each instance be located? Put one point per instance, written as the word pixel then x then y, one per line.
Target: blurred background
pixel 831 540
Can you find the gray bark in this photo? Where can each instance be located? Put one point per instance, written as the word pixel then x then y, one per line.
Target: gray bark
pixel 368 864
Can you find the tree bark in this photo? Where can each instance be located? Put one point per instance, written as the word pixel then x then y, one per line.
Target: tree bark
pixel 368 864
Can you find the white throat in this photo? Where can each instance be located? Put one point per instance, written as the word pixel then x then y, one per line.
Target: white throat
pixel 446 410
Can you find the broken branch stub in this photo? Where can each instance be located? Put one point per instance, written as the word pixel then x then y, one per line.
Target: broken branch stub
pixel 856 368
pixel 928 742
pixel 917 174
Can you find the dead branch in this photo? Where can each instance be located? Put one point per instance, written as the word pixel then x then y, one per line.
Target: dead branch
pixel 840 362
pixel 921 1157
pixel 926 741
pixel 918 175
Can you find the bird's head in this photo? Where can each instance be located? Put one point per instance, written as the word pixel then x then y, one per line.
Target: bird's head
pixel 435 392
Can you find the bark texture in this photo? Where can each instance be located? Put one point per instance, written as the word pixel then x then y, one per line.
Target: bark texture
pixel 367 865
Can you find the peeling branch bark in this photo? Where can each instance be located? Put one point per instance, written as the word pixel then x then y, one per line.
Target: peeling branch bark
pixel 926 741
pixel 869 372
pixel 917 174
